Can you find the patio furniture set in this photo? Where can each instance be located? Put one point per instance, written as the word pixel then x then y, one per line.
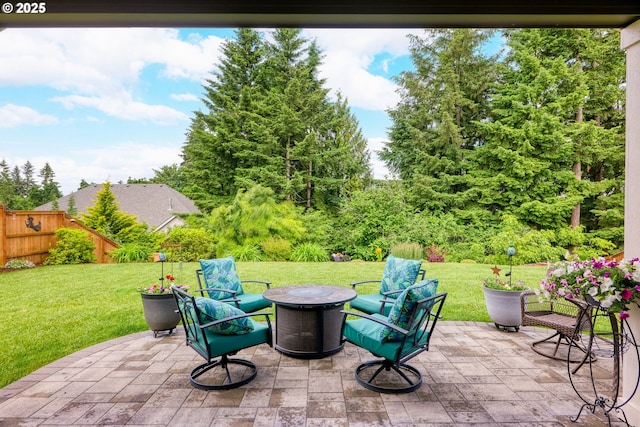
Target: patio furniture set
pixel 394 325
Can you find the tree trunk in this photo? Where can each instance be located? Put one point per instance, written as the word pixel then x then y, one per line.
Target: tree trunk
pixel 577 171
pixel 309 184
pixel 287 162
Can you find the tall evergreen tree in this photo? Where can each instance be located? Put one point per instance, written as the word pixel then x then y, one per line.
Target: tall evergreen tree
pixel 434 124
pixel 270 123
pixel 218 139
pixel 48 190
pixel 542 133
pixel 104 217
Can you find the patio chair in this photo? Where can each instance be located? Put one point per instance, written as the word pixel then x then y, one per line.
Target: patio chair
pixel 217 330
pixel 399 273
pixel 396 338
pixel 562 316
pixel 218 279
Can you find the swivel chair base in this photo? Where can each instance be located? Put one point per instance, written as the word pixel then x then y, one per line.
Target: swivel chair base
pixel 409 375
pixel 227 383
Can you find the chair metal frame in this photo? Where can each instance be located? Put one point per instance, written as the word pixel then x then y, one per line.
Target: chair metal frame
pixel 416 339
pixel 386 296
pixel 196 338
pixel 233 298
pixel 568 317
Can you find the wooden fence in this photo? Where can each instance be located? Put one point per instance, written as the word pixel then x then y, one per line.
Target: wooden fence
pixel 28 235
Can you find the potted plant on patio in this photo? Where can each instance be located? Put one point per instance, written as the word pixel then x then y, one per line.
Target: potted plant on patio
pixel 502 297
pixel 159 306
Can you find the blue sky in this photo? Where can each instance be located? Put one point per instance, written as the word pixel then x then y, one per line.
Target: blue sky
pixel 108 104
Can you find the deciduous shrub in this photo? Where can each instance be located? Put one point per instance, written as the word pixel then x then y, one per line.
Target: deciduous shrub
pixel 188 244
pixel 276 249
pixel 73 247
pixel 436 253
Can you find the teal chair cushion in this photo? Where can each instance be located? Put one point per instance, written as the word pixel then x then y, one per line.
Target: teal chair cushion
pixel 400 314
pixel 399 273
pixel 366 334
pixel 252 302
pixel 212 310
pixel 229 344
pixel 221 273
pixel 370 303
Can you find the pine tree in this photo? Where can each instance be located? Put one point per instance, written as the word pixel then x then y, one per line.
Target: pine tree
pixel 270 123
pixel 72 210
pixel 217 141
pixel 544 129
pixel 105 218
pixel 434 125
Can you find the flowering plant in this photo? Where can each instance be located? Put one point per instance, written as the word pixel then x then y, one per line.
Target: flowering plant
pixel 611 284
pixel 496 282
pixel 161 288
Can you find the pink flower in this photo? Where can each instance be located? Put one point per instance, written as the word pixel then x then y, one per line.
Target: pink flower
pixel 623 315
pixel 626 294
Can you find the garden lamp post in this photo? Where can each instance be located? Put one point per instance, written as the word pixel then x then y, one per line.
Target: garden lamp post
pixel 511 251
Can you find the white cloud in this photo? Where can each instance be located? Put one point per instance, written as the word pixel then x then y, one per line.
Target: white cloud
pixel 185 97
pixel 349 53
pixel 378 167
pixel 16 115
pixel 100 60
pixel 115 163
pixel 125 108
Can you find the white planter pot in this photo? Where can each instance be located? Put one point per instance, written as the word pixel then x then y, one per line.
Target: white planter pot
pixel 504 307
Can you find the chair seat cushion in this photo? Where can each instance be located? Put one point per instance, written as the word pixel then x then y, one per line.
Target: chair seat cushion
pixel 226 344
pixel 221 273
pixel 399 273
pixel 370 303
pixel 252 302
pixel 212 310
pixel 366 334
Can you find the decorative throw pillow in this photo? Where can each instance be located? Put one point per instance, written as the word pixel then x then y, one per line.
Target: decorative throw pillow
pixel 400 313
pixel 399 274
pixel 211 310
pixel 221 273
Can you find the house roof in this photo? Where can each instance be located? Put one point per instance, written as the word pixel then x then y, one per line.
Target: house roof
pixel 154 204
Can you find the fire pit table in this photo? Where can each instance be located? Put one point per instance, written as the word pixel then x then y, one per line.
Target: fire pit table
pixel 308 319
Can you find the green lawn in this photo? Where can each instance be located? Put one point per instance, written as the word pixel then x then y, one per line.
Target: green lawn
pixel 50 312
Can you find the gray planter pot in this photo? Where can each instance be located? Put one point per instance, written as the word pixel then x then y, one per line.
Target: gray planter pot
pixel 160 312
pixel 504 307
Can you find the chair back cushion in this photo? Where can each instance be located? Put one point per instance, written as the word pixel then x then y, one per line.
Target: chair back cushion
pixel 221 273
pixel 212 310
pixel 402 313
pixel 399 274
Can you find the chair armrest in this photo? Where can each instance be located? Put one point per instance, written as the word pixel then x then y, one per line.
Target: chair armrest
pixel 239 316
pixel 354 284
pixel 267 284
pixel 375 319
pixel 386 299
pixel 397 291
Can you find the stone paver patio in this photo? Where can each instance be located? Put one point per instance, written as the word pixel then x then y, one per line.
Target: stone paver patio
pixel 474 375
